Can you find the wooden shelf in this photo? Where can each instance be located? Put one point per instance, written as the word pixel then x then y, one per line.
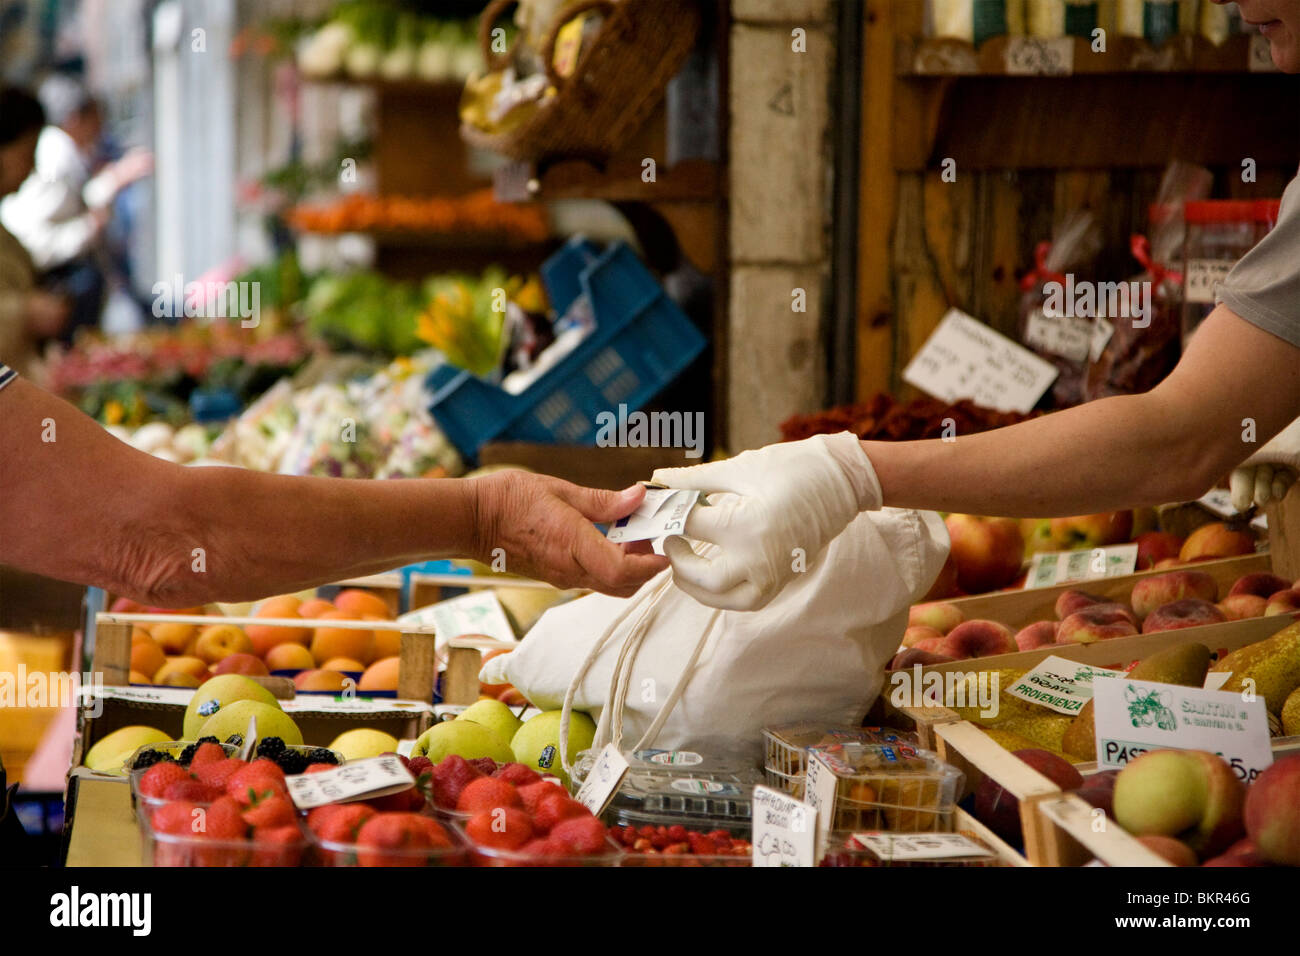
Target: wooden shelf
pixel 1073 56
pixel 691 180
pixel 439 88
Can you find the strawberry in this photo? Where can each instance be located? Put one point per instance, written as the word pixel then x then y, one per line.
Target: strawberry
pixel 339 822
pixel 484 765
pixel 450 777
pixel 586 835
pixel 393 839
pixel 258 780
pixel 532 794
pixel 159 777
pixel 205 754
pixel 218 773
pixel 224 820
pixel 274 811
pixel 179 818
pixel 488 793
pixel 556 809
pixel 276 846
pixel 503 828
pixel 519 774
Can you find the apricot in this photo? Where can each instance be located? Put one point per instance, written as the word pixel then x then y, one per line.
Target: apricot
pixel 327 642
pixel 175 637
pixel 265 637
pixel 315 607
pixel 220 640
pixel 387 643
pixel 289 657
pixel 361 603
pixel 146 656
pixel 320 680
pixel 381 675
pixel 344 665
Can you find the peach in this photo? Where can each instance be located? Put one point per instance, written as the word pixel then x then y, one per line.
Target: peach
pixel 1188 612
pixel 289 657
pixel 1191 795
pixel 320 680
pixel 1216 540
pixel 327 642
pixel 1097 622
pixel 315 607
pixel 360 603
pixel 976 639
pixel 387 643
pixel 381 675
pixel 146 656
pixel 1238 607
pixel 344 665
pixel 930 644
pixel 265 637
pixel 1075 600
pixel 182 672
pixel 1149 593
pixel 940 615
pixel 174 637
pixel 920 632
pixel 220 640
pixel 910 656
pixel 1038 634
pixel 1156 546
pixel 1272 812
pixel 1261 584
pixel 988 552
pixel 1165 563
pixel 945 585
pixel 240 664
pixel 1283 602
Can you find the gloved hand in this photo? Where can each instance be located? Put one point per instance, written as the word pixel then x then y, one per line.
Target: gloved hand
pixel 1266 475
pixel 795 495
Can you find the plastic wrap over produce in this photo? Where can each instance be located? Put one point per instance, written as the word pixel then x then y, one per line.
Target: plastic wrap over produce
pixel 817 652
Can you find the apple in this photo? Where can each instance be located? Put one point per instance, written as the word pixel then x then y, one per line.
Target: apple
pixel 988 552
pixel 945 585
pixel 1216 540
pixel 1156 546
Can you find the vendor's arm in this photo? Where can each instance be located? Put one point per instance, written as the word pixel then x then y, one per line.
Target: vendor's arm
pixel 86 507
pixel 1170 444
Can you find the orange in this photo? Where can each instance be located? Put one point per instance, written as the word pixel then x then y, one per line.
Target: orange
pixel 381 675
pixel 361 602
pixel 327 642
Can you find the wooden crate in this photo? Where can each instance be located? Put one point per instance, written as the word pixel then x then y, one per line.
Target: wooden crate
pixel 1070 833
pixel 464 659
pixel 1020 608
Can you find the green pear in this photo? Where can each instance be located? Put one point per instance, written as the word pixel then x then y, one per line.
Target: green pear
pixel 537 742
pixel 220 692
pixel 233 719
pixel 495 716
pixel 464 738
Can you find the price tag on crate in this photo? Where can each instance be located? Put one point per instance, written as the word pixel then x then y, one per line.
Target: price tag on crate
pixel 1050 568
pixel 784 829
pixel 1059 685
pixel 1219 502
pixel 964 358
pixel 820 786
pixel 1135 716
pixel 373 777
pixel 604 780
pixel 906 847
pixel 1039 56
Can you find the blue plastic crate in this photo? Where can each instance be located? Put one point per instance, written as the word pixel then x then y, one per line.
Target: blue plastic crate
pixel 642 341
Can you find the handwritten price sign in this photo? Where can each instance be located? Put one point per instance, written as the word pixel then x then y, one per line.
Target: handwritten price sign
pixel 373 777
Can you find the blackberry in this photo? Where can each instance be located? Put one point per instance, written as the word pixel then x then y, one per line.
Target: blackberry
pixel 322 755
pixel 187 755
pixel 236 739
pixel 151 757
pixel 270 747
pixel 207 740
pixel 291 761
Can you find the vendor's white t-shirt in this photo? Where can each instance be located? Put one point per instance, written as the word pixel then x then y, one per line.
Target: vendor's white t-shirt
pixel 1264 287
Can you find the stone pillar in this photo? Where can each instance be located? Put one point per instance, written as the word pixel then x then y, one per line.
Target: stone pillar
pixel 781 71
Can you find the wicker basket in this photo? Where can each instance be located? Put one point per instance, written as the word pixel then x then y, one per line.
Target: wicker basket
pixel 620 77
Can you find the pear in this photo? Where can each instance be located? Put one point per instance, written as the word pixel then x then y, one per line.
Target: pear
pixel 233 719
pixel 1273 665
pixel 537 744
pixel 464 738
pixel 211 696
pixel 495 716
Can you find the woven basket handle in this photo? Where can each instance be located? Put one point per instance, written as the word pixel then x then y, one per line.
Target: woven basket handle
pixel 486 21
pixel 565 16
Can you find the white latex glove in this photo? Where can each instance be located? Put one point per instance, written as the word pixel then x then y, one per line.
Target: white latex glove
pixel 795 495
pixel 1266 475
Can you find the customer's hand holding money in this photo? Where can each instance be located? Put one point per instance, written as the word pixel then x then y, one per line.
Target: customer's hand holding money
pixel 776 509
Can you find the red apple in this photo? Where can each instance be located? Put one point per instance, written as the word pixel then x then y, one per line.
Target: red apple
pixel 988 552
pixel 1156 546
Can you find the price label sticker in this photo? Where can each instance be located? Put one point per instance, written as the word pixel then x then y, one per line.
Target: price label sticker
pixel 372 777
pixel 1059 685
pixel 1039 56
pixel 1203 278
pixel 902 847
pixel 964 358
pixel 1060 335
pixel 1219 501
pixel 1135 716
pixel 1102 330
pixel 604 780
pixel 784 829
pixel 1050 568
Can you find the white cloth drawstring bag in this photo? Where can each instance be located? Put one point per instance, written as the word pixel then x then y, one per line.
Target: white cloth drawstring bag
pixel 678 675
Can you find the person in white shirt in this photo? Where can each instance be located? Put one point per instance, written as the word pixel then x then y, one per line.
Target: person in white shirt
pixel 61 209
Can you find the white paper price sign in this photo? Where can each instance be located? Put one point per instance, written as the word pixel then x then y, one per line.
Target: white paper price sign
pixel 784 830
pixel 1102 330
pixel 1060 335
pixel 1134 716
pixel 964 358
pixel 1203 278
pixel 372 777
pixel 1219 501
pixel 820 784
pixel 604 780
pixel 478 612
pixel 1059 685
pixel 903 847
pixel 1049 568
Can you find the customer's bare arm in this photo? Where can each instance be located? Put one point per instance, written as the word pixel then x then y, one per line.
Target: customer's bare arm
pixel 86 507
pixel 1170 444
